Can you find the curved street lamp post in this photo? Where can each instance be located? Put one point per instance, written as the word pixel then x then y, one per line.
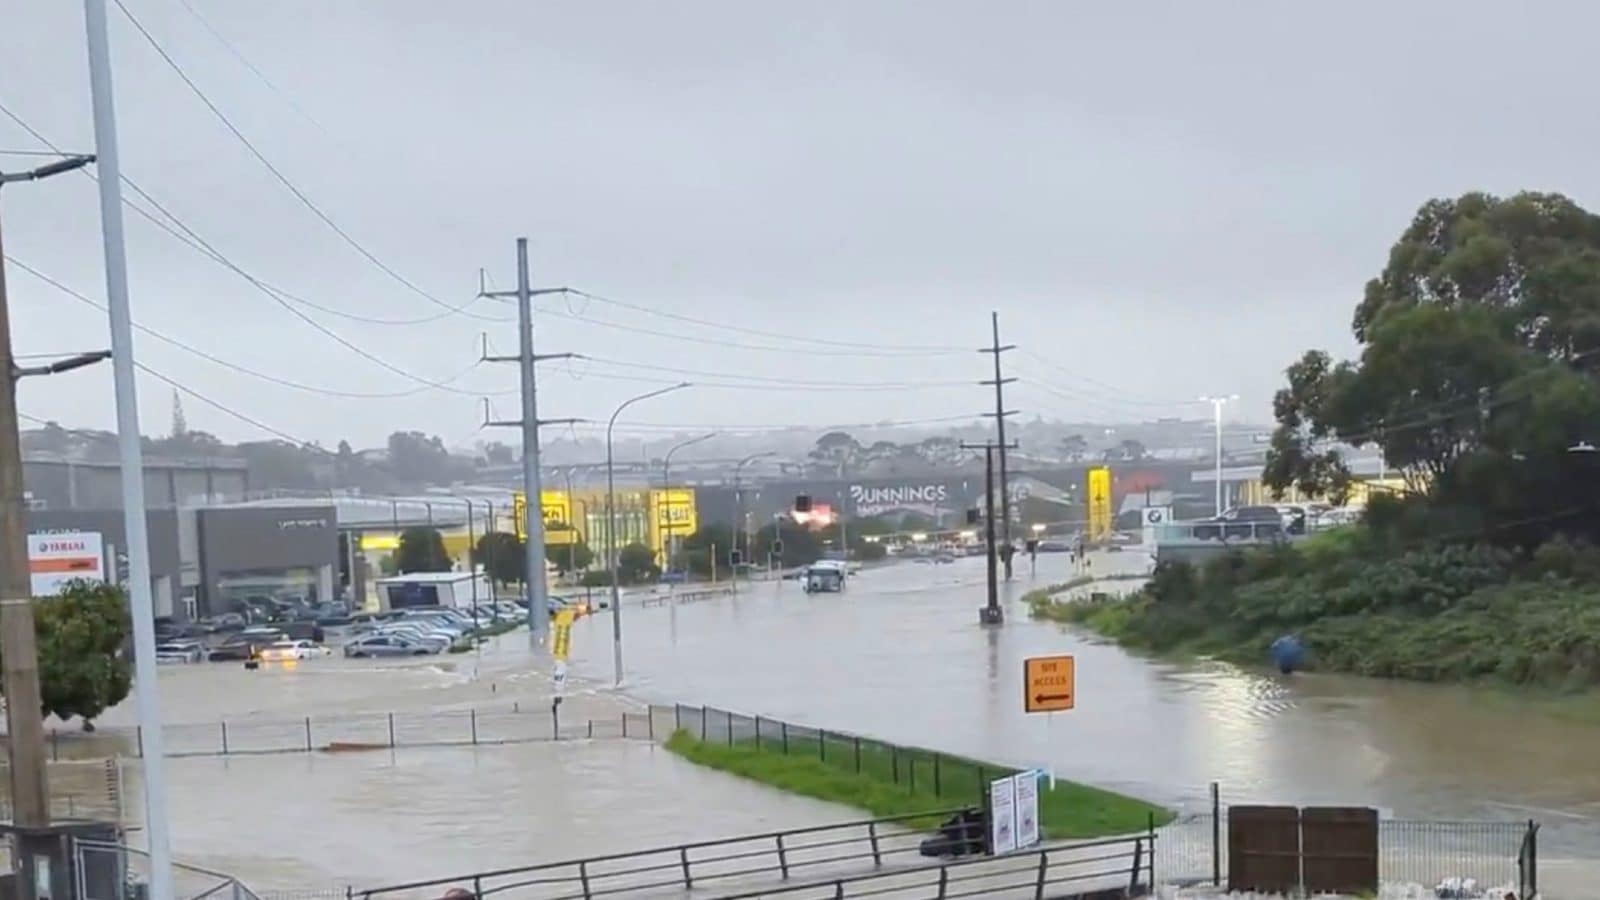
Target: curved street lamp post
pixel 611 526
pixel 666 486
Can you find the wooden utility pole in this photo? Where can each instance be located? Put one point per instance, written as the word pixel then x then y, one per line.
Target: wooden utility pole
pixel 19 654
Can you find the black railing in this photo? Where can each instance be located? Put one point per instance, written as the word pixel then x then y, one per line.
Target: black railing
pixel 1115 864
pixel 813 852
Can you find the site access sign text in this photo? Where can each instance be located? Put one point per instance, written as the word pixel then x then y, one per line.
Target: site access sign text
pixel 1048 683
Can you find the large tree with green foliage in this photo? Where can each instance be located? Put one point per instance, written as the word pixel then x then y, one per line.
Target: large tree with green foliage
pixel 706 550
pixel 81 633
pixel 570 557
pixel 422 550
pixel 502 557
pixel 1479 344
pixel 636 564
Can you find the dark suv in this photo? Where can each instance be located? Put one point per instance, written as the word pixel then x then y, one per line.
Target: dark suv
pixel 1242 522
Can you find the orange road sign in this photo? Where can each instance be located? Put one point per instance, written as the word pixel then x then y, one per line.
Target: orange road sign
pixel 1048 683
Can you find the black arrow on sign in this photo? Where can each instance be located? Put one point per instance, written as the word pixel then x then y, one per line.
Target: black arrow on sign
pixel 1046 698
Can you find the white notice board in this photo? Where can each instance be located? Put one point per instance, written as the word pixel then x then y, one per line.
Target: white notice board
pixel 1027 806
pixel 1003 815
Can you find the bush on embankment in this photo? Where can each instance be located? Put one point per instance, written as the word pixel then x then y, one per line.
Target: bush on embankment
pixel 1442 613
pixel 880 781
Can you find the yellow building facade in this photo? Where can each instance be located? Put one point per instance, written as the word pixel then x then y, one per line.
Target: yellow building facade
pixel 650 517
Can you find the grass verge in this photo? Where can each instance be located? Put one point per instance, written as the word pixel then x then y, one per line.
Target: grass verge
pixel 895 781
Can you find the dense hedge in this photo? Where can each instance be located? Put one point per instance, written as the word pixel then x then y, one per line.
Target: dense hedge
pixel 1442 613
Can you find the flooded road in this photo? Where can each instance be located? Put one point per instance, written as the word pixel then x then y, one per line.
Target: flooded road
pixel 900 656
pixel 309 821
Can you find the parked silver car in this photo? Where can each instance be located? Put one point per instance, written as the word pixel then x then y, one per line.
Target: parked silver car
pixel 376 645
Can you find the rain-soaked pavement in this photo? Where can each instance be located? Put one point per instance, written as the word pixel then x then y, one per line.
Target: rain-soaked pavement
pixel 898 656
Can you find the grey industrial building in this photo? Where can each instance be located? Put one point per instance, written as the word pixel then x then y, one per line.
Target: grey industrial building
pixel 204 560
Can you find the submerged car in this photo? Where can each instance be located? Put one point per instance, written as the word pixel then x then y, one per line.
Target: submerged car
pixel 378 645
pixel 279 651
pixel 180 652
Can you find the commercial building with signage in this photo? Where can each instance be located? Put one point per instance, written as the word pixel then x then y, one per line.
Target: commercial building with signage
pixel 203 560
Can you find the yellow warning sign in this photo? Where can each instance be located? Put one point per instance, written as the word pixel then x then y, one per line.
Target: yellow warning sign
pixel 1048 683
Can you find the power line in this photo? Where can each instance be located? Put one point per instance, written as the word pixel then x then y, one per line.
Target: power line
pixel 210 357
pixel 1125 397
pixel 874 348
pixel 254 69
pixel 701 383
pixel 664 427
pixel 266 163
pixel 786 382
pixel 189 237
pixel 224 408
pixel 715 342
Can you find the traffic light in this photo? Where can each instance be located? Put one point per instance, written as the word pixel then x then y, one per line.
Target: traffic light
pixel 973 516
pixel 802 503
pixel 735 558
pixel 777 548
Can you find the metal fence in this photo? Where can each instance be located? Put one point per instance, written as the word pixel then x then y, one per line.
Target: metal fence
pixel 937 775
pixel 514 724
pixel 1115 867
pixel 79 789
pixel 722 865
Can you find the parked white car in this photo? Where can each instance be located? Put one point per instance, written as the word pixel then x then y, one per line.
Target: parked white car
pixel 283 650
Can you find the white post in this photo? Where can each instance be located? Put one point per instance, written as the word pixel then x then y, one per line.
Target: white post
pixel 146 688
pixel 1216 406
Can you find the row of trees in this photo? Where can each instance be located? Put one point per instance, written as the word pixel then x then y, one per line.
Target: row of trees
pixel 837 452
pixel 503 557
pixel 408 458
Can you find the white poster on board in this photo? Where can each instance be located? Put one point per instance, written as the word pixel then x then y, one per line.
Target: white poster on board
pixel 1027 806
pixel 1003 815
pixel 57 558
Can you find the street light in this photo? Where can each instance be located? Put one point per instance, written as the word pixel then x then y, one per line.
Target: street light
pixel 1216 410
pixel 666 485
pixel 738 507
pixel 611 526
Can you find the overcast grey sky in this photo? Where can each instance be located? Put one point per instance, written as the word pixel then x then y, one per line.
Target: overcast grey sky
pixel 1160 199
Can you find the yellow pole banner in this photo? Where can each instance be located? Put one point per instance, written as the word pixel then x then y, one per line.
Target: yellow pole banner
pixel 561 634
pixel 1099 495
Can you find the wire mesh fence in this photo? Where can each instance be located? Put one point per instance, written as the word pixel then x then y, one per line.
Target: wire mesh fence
pixel 1193 849
pixel 918 771
pixel 473 726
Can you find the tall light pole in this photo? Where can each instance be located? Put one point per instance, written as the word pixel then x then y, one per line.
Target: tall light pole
pixel 666 487
pixel 738 509
pixel 611 526
pixel 30 796
pixel 140 601
pixel 1216 412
